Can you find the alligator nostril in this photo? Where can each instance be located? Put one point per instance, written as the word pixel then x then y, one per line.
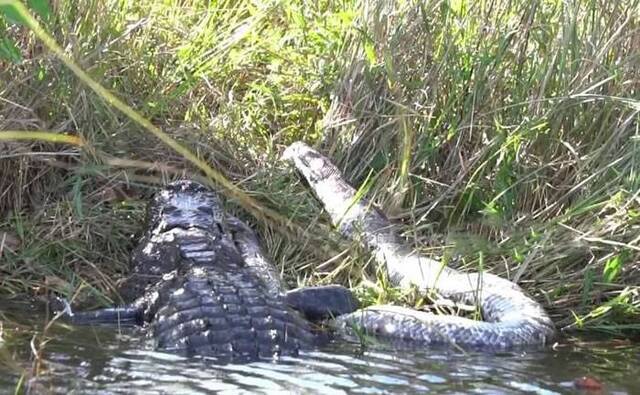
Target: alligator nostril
pixel 172 210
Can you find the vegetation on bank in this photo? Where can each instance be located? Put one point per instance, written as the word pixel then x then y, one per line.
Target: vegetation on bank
pixel 501 135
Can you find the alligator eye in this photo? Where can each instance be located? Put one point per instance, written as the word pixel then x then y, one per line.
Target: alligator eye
pixel 205 209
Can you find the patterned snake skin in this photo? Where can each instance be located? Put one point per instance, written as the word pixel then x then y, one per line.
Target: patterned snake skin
pixel 511 318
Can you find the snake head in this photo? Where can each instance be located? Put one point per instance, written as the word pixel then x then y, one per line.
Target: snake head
pixel 313 166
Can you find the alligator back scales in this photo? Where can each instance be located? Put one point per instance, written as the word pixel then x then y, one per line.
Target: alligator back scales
pixel 200 283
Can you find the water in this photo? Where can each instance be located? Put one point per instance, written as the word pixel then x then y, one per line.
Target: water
pixel 85 360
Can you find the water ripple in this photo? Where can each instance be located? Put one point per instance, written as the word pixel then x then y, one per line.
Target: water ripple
pixel 103 361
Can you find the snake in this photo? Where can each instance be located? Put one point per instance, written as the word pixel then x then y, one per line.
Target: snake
pixel 509 317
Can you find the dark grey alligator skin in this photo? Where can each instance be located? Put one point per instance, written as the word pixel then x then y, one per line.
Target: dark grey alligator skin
pixel 202 285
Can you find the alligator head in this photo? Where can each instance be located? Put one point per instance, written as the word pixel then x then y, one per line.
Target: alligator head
pixel 185 204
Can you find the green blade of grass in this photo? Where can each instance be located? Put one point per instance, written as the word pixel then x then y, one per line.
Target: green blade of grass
pixel 52 137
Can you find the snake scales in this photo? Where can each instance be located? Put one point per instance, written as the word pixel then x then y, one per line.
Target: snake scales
pixel 510 317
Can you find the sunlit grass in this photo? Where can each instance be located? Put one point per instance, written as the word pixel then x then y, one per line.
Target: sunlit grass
pixel 16 135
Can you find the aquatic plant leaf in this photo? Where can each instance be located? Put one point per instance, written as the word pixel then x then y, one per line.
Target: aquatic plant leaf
pixel 612 268
pixel 370 51
pixel 9 10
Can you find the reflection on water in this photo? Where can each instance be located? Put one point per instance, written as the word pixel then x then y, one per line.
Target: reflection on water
pixel 110 361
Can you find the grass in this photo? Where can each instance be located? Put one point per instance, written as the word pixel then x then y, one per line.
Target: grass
pixel 502 134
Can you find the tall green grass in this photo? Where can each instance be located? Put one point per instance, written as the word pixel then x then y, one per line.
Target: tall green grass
pixel 518 124
pixel 498 133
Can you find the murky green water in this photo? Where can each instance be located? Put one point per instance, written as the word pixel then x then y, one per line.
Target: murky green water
pixel 88 360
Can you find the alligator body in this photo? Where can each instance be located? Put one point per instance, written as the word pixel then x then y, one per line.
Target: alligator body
pixel 201 285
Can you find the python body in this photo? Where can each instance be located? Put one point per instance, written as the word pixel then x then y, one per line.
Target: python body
pixel 511 318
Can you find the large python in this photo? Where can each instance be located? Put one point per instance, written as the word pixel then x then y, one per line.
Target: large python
pixel 511 318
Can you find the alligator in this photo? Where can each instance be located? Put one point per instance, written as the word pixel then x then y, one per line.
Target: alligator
pixel 201 286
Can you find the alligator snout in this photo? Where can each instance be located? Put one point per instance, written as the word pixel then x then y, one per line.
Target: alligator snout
pixel 186 204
